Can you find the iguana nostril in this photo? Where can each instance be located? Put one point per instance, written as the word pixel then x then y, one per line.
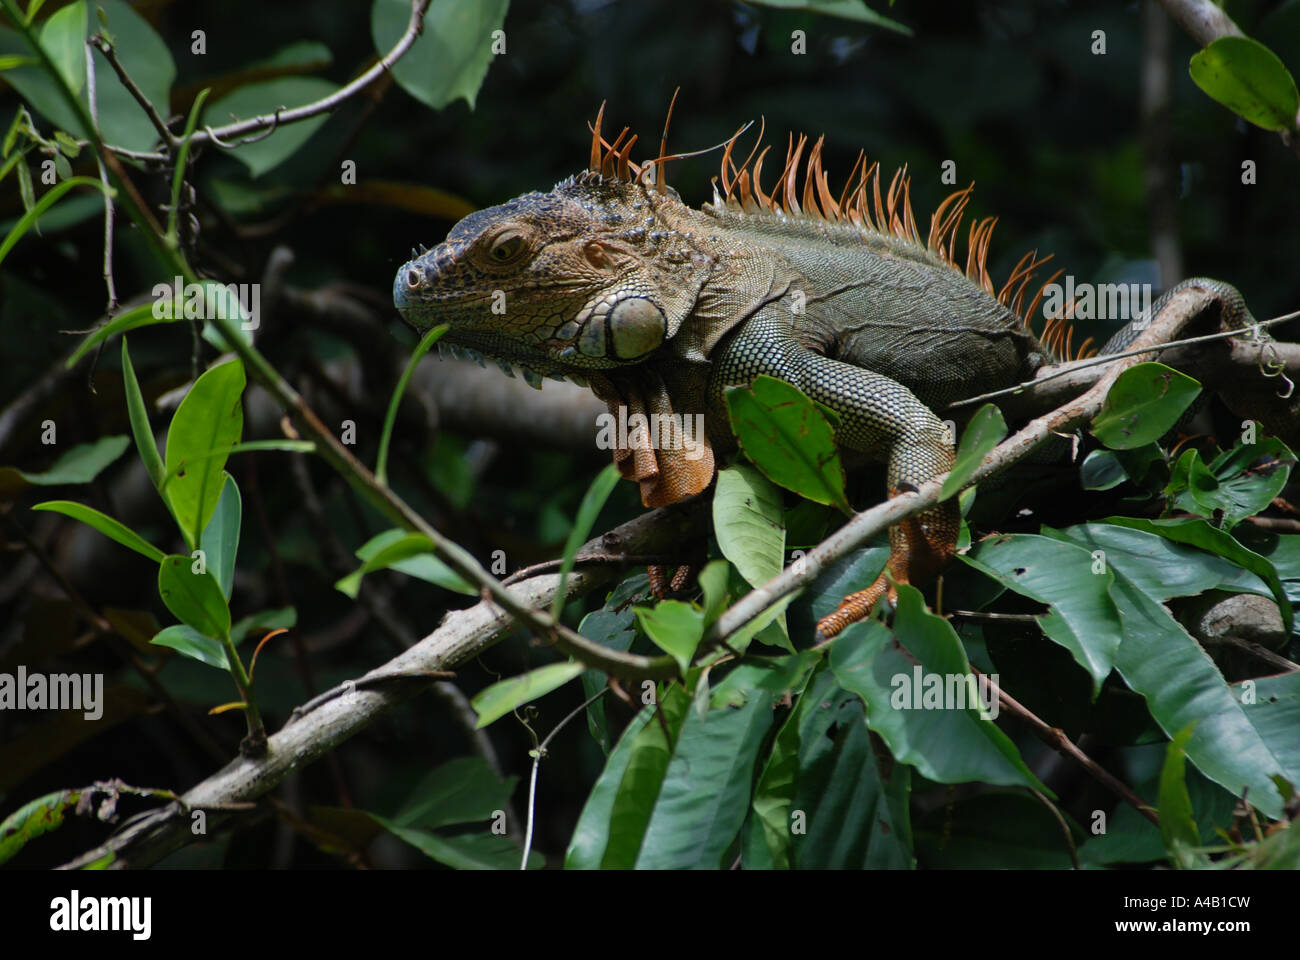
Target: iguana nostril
pixel 413 277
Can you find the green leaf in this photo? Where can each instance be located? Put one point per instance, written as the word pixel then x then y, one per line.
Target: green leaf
pixel 189 642
pixel 1235 485
pixel 1177 825
pixel 788 438
pixel 451 57
pixel 774 792
pixel 260 99
pixel 63 37
pixel 1143 404
pixel 948 740
pixel 139 416
pixel 851 817
pixel 705 791
pixel 1102 470
pixel 642 779
pixel 208 421
pixel 1084 618
pixel 220 540
pixel 713 582
pixel 675 628
pixel 592 503
pixel 1248 78
pixel 81 464
pixel 505 695
pixel 35 818
pixel 464 790
pixel 281 617
pixel 1159 660
pixel 750 526
pixel 48 199
pixel 984 432
pixel 471 851
pixel 615 630
pixel 122 121
pixel 385 436
pixel 408 553
pixel 1198 533
pixel 591 836
pixel 113 529
pixel 193 598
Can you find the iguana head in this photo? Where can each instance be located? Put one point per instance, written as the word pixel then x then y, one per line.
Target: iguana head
pixel 595 274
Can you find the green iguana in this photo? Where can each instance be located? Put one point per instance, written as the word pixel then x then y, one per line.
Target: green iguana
pixel 610 278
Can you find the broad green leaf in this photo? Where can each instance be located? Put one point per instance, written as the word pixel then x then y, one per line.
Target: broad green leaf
pixel 592 503
pixel 923 700
pixel 220 540
pixel 113 529
pixel 81 464
pixel 789 439
pixel 139 416
pixel 1238 483
pixel 1177 825
pixel 1101 470
pixel 451 57
pixel 408 553
pixel 984 432
pixel 63 37
pixel 470 851
pixel 1272 706
pixel 1248 78
pixel 464 790
pixel 499 699
pixel 1083 618
pixel 209 420
pixel 1162 662
pixel 1198 533
pixel 193 598
pixel 1143 404
pixel 849 817
pixel 675 628
pixel 748 522
pixel 643 777
pixel 705 792
pixel 260 99
pixel 591 836
pixel 189 642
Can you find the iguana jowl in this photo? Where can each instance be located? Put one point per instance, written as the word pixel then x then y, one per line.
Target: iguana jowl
pixel 611 278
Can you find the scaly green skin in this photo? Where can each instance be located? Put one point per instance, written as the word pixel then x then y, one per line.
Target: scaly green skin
pixel 662 307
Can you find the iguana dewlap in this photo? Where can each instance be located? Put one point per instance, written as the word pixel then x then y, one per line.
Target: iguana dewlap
pixel 610 277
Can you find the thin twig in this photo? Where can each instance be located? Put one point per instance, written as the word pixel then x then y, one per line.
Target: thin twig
pixel 110 54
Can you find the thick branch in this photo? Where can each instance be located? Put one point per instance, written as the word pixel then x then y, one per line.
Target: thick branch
pixel 338 714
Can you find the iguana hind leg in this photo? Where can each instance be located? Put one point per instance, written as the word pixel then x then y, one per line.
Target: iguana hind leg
pixel 878 416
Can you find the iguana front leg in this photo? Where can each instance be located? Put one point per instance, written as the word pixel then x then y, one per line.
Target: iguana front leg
pixel 878 416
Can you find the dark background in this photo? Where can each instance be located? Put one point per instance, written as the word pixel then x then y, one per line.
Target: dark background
pixel 1009 91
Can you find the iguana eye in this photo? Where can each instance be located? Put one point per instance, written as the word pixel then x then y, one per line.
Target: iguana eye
pixel 506 248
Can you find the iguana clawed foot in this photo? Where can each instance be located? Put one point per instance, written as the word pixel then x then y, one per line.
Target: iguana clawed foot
pixel 920 547
pixel 661 586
